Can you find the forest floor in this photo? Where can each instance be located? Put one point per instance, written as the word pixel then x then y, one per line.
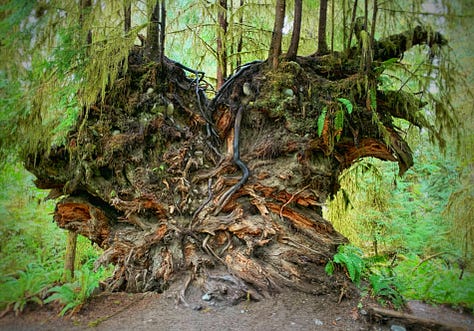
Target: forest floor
pixel 289 310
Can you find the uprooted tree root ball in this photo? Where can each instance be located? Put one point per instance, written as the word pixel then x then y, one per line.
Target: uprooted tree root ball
pixel 221 200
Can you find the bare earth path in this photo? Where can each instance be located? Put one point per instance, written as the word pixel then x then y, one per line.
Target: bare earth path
pixel 285 311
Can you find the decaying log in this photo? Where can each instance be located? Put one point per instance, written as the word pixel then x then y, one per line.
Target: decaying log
pixel 408 319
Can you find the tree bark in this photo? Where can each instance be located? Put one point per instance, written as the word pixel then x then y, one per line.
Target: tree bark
pixel 156 32
pixel 277 34
pixel 295 36
pixel 221 44
pixel 70 257
pixel 240 43
pixel 353 20
pixel 322 43
pixel 127 13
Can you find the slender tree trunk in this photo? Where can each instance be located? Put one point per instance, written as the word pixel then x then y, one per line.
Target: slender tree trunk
pixel 277 34
pixel 353 18
pixel 162 31
pixel 221 45
pixel 70 257
pixel 156 32
pixel 71 243
pixel 127 13
pixel 344 22
pixel 322 43
pixel 332 26
pixel 240 43
pixel 152 42
pixel 295 37
pixel 85 7
pixel 374 22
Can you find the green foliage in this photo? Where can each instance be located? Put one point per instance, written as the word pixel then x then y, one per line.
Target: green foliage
pixel 435 280
pixel 385 286
pixel 26 286
pixel 407 217
pixel 347 104
pixel 350 258
pixel 27 233
pixel 73 295
pixel 31 246
pixel 321 119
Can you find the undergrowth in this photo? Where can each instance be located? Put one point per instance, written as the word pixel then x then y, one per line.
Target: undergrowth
pixel 402 228
pixel 32 249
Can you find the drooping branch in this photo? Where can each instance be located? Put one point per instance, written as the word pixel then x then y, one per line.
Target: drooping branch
pixel 395 45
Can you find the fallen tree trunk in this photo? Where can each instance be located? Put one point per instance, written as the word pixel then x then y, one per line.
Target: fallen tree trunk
pixel 220 199
pixel 419 322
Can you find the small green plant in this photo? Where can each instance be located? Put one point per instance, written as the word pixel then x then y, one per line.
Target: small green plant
pixel 321 119
pixel 26 286
pixel 338 117
pixel 386 289
pixel 350 258
pixel 73 295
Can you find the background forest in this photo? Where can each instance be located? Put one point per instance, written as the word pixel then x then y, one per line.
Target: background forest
pixel 412 237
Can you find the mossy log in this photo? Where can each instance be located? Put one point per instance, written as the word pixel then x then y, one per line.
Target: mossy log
pixel 153 174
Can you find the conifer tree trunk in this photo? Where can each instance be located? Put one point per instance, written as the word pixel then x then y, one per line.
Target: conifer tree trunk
pixel 295 37
pixel 156 32
pixel 221 44
pixel 71 241
pixel 240 43
pixel 322 43
pixel 277 34
pixel 127 11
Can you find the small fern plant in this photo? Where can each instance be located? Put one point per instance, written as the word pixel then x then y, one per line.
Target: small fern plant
pixel 386 289
pixel 350 258
pixel 73 295
pixel 338 117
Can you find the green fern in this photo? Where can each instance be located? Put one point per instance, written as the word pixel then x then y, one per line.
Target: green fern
pixel 73 295
pixel 321 120
pixel 339 123
pixel 25 287
pixel 349 257
pixel 386 289
pixel 347 104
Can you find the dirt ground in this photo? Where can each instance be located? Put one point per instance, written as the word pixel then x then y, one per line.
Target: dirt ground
pixel 289 310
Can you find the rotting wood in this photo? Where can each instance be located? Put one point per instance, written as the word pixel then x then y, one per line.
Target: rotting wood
pixel 377 313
